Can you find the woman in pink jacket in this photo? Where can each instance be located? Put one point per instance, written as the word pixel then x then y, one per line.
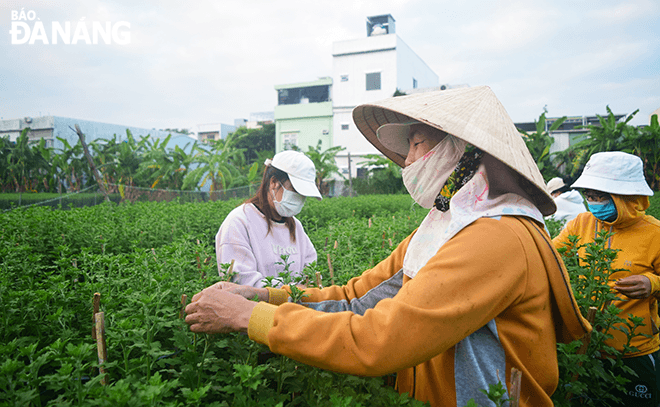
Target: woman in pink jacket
pixel 256 234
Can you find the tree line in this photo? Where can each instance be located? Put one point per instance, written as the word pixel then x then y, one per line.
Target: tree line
pixel 238 160
pixel 608 135
pixel 145 162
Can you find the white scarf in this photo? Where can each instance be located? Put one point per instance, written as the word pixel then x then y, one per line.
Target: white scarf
pixel 425 177
pixel 470 203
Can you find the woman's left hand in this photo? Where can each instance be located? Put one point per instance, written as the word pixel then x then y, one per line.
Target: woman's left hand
pixel 215 311
pixel 636 287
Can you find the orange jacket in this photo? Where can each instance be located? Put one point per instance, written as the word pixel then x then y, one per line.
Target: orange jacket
pixel 637 236
pixel 494 297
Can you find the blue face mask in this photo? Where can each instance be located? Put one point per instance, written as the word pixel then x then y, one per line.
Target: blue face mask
pixel 605 211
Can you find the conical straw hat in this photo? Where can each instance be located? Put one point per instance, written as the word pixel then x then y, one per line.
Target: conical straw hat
pixel 472 114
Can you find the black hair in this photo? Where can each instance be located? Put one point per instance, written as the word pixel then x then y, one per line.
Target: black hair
pixel 260 199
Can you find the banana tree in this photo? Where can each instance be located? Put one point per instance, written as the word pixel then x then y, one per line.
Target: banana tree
pixel 5 149
pixel 165 168
pixel 610 135
pixel 645 143
pixel 325 164
pixel 46 172
pixel 71 166
pixel 383 175
pixel 26 167
pixel 217 165
pixel 539 143
pixel 119 162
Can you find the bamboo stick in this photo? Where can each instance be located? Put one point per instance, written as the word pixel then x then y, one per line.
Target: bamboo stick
pixel 514 396
pixel 182 312
pixel 100 345
pixel 332 272
pixel 318 280
pixel 96 304
pixel 591 316
pixel 369 222
pixel 605 305
pixel 336 244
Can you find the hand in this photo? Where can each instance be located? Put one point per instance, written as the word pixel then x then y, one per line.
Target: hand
pixel 244 291
pixel 635 287
pixel 218 311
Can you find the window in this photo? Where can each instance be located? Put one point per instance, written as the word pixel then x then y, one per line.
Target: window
pixel 344 78
pixel 373 81
pixel 310 94
pixel 344 126
pixel 289 140
pixel 414 83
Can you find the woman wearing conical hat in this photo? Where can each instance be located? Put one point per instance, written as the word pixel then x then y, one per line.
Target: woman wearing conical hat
pixel 475 291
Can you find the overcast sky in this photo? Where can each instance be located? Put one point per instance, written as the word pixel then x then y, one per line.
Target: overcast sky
pixel 212 61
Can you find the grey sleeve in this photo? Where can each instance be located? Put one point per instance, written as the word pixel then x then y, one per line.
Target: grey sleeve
pixel 387 289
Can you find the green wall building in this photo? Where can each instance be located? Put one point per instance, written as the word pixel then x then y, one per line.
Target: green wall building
pixel 303 115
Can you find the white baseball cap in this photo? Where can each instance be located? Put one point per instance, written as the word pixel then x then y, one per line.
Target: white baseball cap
pixel 614 172
pixel 300 169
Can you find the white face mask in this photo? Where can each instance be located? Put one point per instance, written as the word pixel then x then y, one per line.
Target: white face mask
pixel 425 177
pixel 291 203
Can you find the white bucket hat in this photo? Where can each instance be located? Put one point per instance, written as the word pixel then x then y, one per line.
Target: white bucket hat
pixel 614 172
pixel 300 169
pixel 471 114
pixel 555 184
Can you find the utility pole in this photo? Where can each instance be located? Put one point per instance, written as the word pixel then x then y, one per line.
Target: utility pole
pixel 99 180
pixel 350 176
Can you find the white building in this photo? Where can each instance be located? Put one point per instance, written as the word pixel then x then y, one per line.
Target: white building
pixel 256 120
pixel 369 69
pixel 363 70
pixel 54 128
pixel 212 131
